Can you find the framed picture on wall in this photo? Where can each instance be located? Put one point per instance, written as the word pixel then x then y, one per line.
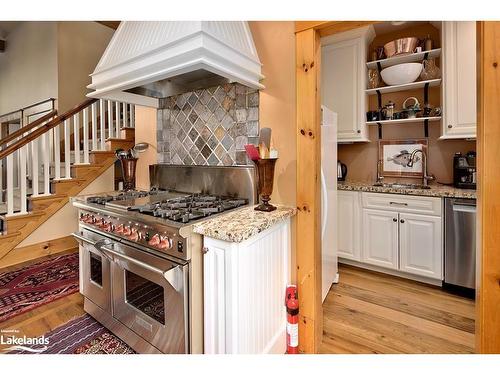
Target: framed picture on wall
pixel 396 154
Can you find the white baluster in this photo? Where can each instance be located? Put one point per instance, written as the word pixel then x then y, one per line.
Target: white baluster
pixel 86 135
pixel 76 137
pixel 94 126
pixel 10 183
pixel 125 115
pixel 67 151
pixel 46 161
pixel 34 166
pixel 110 119
pixel 57 152
pixel 103 122
pixel 117 119
pixel 22 177
pixel 132 115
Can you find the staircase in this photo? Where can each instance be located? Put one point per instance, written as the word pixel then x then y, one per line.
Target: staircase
pixel 53 158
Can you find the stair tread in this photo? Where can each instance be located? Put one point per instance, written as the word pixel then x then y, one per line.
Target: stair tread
pixel 47 197
pixel 9 235
pixel 30 214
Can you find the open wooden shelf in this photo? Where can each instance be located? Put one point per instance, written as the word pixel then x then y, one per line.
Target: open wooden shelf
pixel 413 57
pixel 404 121
pixel 407 86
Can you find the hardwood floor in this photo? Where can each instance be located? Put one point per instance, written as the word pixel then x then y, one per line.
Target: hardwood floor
pixel 45 318
pixel 370 312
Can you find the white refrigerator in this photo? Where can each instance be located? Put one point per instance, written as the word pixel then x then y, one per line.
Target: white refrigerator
pixel 328 199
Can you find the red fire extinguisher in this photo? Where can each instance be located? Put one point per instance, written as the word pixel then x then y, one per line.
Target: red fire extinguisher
pixel 292 320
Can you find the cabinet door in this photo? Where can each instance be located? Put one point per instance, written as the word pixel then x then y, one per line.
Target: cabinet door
pixel 342 86
pixel 348 219
pixel 380 238
pixel 421 245
pixel 459 79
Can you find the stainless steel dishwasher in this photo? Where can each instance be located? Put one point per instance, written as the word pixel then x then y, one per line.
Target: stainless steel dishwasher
pixel 460 243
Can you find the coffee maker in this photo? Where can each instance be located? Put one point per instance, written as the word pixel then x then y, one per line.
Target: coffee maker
pixel 464 170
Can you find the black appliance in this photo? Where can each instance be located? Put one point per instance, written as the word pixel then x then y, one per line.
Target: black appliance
pixel 341 171
pixel 464 170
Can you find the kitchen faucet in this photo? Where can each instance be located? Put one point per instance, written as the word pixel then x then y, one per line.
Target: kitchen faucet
pixel 425 177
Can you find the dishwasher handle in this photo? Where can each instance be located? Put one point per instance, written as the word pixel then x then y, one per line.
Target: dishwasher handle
pixel 464 208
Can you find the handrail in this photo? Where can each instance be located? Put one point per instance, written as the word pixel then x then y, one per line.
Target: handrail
pixel 30 106
pixel 43 129
pixel 26 128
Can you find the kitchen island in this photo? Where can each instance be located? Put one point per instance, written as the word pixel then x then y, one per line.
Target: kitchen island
pixel 246 266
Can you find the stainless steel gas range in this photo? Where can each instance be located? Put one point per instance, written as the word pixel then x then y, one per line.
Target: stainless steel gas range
pixel 140 262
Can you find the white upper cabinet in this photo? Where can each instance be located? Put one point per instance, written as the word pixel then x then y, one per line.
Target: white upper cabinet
pixel 343 81
pixel 459 79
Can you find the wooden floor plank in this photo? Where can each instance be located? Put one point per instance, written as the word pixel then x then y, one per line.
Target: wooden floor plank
pixel 369 312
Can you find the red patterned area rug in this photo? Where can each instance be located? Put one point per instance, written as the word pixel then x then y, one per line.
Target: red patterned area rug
pixel 82 335
pixel 37 284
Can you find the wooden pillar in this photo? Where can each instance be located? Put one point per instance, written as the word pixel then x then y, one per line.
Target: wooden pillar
pixel 308 58
pixel 488 137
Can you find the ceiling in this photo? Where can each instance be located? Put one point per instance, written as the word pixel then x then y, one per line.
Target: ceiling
pixel 6 27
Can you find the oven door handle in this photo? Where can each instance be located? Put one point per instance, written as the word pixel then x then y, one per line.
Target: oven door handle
pixel 80 238
pixel 100 246
pixel 173 275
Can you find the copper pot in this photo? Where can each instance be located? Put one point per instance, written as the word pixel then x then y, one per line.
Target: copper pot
pixel 265 174
pixel 128 172
pixel 403 46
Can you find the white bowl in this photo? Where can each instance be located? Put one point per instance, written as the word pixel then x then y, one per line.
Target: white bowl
pixel 401 74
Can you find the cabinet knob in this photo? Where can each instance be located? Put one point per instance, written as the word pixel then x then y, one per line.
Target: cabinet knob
pixel 450 126
pixel 205 250
pixel 401 221
pixel 394 219
pixel 359 131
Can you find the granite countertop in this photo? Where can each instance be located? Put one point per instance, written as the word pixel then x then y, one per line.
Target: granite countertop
pixel 239 225
pixel 436 190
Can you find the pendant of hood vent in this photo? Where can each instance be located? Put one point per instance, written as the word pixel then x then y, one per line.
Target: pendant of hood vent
pixel 148 60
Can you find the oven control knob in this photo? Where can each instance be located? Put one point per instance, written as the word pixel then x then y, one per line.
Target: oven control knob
pixel 154 241
pixel 127 231
pixel 134 236
pixel 165 242
pixel 119 229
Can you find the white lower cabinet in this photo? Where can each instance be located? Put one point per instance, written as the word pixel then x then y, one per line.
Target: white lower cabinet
pixel 380 238
pixel 349 220
pixel 244 291
pixel 391 231
pixel 420 245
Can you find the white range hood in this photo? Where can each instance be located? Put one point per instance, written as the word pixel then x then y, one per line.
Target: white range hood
pixel 145 61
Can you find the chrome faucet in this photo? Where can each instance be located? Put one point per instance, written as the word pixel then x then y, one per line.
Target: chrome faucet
pixel 380 178
pixel 425 178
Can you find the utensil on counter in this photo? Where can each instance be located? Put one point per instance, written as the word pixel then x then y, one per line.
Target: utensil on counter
pixel 252 152
pixel 401 74
pixel 402 46
pixel 138 148
pixel 121 154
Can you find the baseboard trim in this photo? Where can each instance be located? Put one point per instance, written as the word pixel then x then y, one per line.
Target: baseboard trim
pixel 33 252
pixel 403 275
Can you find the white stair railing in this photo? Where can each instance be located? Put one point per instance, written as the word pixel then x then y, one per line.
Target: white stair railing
pixel 40 159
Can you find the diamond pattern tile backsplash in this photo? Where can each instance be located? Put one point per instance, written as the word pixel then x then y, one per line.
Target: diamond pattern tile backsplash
pixel 208 126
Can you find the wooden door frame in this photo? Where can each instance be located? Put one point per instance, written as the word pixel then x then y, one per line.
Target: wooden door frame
pixel 308 72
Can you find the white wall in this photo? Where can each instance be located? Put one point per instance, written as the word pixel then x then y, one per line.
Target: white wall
pixel 28 68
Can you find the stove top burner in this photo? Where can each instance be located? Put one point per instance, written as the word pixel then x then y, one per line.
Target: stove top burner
pixel 191 207
pixel 122 196
pixel 180 207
